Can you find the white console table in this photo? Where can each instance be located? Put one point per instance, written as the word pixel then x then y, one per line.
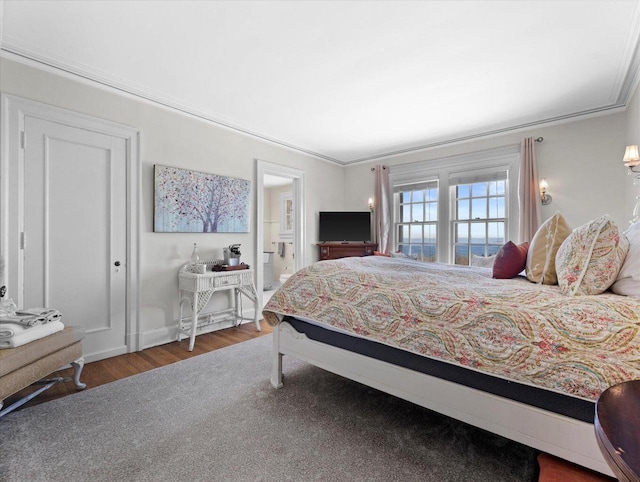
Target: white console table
pixel 197 288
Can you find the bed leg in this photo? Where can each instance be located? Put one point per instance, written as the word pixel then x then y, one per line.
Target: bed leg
pixel 276 367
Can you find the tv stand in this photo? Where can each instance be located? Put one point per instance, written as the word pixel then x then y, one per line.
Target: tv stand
pixel 345 249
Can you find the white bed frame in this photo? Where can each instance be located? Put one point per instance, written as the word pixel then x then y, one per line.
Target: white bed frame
pixel 549 432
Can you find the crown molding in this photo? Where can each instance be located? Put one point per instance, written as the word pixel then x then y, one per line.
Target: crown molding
pixel 629 68
pixel 75 70
pixel 577 116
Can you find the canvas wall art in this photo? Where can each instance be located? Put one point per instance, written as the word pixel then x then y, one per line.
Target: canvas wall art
pixel 197 202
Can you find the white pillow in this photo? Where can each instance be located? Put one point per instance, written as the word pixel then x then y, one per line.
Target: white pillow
pixel 482 261
pixel 628 280
pixel 405 256
pixel 633 227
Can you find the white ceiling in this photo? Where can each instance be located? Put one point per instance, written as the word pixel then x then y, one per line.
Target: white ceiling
pixel 346 80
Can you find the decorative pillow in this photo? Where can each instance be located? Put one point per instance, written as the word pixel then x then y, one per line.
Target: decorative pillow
pixel 590 259
pixel 510 260
pixel 402 255
pixel 541 257
pixel 482 261
pixel 633 227
pixel 628 281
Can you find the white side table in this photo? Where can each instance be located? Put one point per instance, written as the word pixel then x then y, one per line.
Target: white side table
pixel 196 289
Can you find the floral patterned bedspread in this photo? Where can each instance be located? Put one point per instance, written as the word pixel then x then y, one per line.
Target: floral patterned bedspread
pixel 513 329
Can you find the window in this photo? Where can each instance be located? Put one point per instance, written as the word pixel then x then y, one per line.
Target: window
pixel 449 209
pixel 417 229
pixel 478 218
pixel 286 215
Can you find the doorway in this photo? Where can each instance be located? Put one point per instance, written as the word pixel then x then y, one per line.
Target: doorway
pixel 279 224
pixel 290 230
pixel 70 229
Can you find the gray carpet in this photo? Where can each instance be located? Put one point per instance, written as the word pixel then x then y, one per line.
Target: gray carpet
pixel 215 417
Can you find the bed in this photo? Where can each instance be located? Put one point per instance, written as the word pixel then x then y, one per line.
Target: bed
pixel 516 358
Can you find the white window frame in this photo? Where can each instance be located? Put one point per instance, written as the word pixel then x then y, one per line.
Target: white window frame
pixel 287 215
pixel 442 169
pixel 471 177
pixel 397 216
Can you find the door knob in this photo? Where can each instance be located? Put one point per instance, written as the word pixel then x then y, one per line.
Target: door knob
pixel 117 263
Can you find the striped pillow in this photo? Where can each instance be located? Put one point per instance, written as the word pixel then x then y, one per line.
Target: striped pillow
pixel 541 257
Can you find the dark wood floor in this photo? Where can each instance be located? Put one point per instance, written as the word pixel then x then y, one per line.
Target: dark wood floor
pixel 115 368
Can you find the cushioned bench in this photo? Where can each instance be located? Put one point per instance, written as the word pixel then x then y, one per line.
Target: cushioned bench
pixel 29 363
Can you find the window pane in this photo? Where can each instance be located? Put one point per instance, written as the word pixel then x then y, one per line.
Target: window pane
pixel 495 232
pixel 406 196
pixel 462 233
pixel 403 233
pixel 416 234
pixel 429 252
pixel 479 208
pixel 416 250
pixel 501 187
pixel 418 196
pixel 463 190
pixel 403 248
pixel 406 213
pixel 432 212
pixel 461 255
pixel 496 207
pixel 478 233
pixel 463 209
pixel 432 195
pixel 430 233
pixel 479 189
pixel 417 213
pixel 493 249
pixel 478 249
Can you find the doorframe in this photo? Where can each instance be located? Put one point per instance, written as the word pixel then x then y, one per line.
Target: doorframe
pixel 13 110
pixel 297 176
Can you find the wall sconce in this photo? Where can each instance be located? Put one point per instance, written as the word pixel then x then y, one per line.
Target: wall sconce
pixel 371 204
pixel 544 197
pixel 631 159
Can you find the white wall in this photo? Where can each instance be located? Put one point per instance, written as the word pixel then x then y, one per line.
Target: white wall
pixel 171 138
pixel 581 160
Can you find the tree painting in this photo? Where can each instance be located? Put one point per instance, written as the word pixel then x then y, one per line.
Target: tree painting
pixel 196 202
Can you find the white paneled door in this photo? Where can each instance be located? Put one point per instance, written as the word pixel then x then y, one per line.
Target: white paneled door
pixel 75 230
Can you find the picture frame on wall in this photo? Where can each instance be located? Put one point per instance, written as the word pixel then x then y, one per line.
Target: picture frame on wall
pixel 187 201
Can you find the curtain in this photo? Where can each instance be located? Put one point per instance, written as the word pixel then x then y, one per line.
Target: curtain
pixel 529 193
pixel 382 209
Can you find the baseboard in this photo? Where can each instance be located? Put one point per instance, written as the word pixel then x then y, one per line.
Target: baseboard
pixel 168 334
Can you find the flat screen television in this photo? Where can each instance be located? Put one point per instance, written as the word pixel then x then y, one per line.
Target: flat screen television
pixel 344 226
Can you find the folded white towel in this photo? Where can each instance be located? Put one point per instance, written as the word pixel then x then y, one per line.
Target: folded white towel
pixel 26 334
pixel 10 329
pixel 32 316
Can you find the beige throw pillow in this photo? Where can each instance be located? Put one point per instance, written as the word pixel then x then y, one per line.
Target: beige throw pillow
pixel 541 257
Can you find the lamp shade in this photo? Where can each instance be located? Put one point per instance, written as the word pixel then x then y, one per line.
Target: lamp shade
pixel 631 156
pixel 544 185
